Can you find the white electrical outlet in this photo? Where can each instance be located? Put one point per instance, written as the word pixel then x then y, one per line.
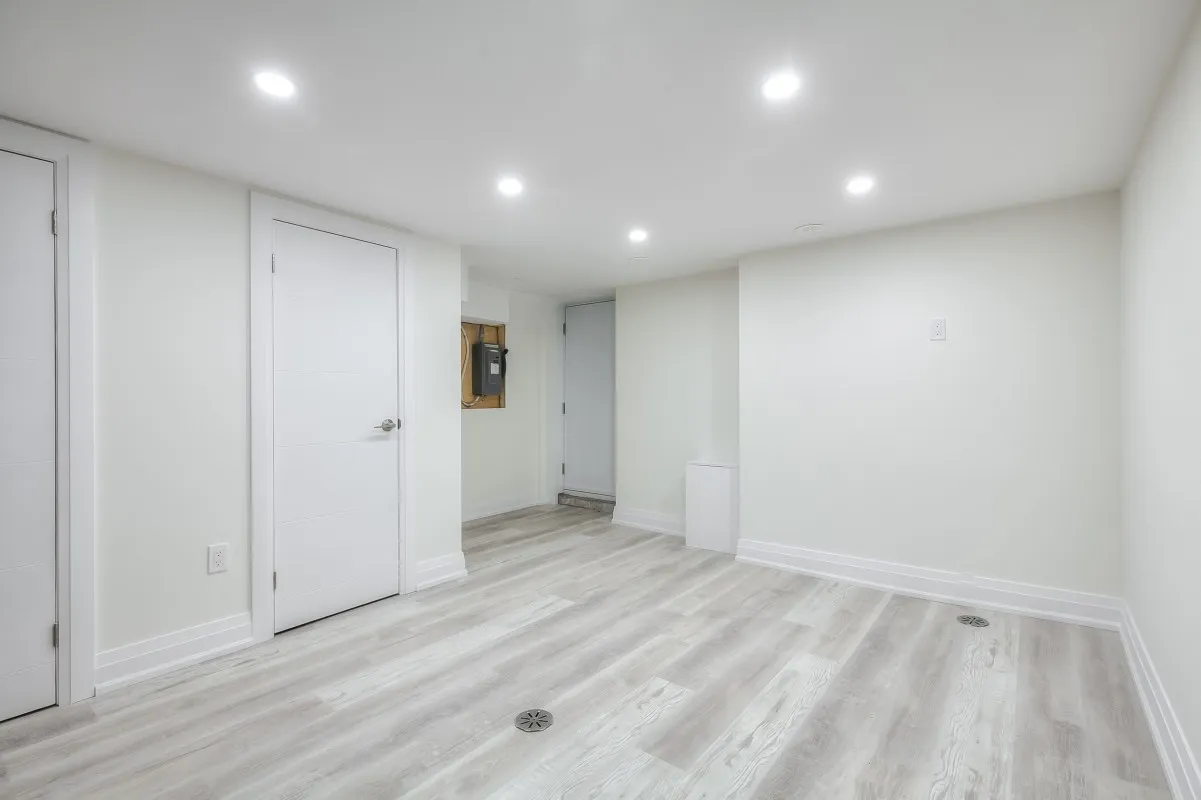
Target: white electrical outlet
pixel 218 558
pixel 938 330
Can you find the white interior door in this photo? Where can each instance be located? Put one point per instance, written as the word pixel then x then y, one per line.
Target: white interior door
pixel 337 488
pixel 27 488
pixel 588 390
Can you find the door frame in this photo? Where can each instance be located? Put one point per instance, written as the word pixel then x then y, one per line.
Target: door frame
pixel 265 211
pixel 74 293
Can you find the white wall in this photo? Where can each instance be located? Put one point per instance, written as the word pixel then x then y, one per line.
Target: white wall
pixel 509 456
pixel 484 303
pixel 436 274
pixel 172 397
pixel 993 453
pixel 1161 298
pixel 677 387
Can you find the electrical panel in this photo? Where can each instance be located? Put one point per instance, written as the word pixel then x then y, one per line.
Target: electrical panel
pixel 487 373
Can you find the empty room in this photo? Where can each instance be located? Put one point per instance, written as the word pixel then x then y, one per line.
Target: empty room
pixel 600 399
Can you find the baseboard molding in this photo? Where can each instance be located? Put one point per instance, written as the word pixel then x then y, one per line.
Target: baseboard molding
pixel 433 571
pixel 501 508
pixel 1080 608
pixel 139 661
pixel 1179 762
pixel 648 520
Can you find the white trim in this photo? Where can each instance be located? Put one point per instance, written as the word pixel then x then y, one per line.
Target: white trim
pixel 492 510
pixel 604 498
pixel 433 571
pixel 264 211
pixel 1060 605
pixel 654 521
pixel 1179 762
pixel 139 661
pixel 74 256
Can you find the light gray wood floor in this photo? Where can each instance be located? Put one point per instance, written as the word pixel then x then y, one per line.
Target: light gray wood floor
pixel 671 673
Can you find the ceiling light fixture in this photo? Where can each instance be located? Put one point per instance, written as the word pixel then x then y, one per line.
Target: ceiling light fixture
pixel 809 228
pixel 781 85
pixel 638 235
pixel 860 185
pixel 274 84
pixel 510 187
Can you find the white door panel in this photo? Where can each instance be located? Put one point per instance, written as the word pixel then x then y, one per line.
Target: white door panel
pixel 35 682
pixel 321 479
pixel 307 547
pixel 27 436
pixel 329 407
pixel 375 583
pixel 335 308
pixel 26 504
pixel 337 497
pixel 588 390
pixel 27 250
pixel 27 636
pixel 26 409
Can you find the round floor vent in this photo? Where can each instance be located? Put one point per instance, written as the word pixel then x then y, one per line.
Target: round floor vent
pixel 973 621
pixel 534 720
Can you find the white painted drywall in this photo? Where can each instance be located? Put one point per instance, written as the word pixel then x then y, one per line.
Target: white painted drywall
pixel 172 392
pixel 172 397
pixel 509 454
pixel 486 304
pixel 993 453
pixel 676 384
pixel 1161 381
pixel 435 281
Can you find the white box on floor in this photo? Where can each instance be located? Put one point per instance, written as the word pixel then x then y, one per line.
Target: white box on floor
pixel 711 506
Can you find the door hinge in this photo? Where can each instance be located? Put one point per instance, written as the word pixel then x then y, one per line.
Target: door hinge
pixel 564 408
pixel 563 470
pixel 54 222
pixel 274 580
pixel 273 262
pixel 54 634
pixel 564 328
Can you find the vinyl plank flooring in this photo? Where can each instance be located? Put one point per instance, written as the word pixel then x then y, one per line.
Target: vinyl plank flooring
pixel 732 765
pixel 673 673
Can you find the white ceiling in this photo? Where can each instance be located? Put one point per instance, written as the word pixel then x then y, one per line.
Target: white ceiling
pixel 615 112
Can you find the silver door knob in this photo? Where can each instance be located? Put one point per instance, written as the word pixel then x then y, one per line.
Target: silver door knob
pixel 387 426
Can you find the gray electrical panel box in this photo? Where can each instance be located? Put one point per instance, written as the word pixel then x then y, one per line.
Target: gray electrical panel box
pixel 486 369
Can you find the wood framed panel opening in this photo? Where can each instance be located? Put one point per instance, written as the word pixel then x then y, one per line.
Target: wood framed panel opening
pixel 492 334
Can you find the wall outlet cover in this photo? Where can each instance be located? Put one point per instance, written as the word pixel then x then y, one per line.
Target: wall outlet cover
pixel 938 329
pixel 218 558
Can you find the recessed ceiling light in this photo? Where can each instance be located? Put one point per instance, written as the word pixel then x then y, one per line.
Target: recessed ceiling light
pixel 638 235
pixel 274 84
pixel 510 187
pixel 860 185
pixel 781 85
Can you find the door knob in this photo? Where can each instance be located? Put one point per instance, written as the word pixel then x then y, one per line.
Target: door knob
pixel 387 426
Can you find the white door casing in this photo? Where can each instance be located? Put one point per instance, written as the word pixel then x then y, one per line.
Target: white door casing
pixel 588 391
pixel 337 336
pixel 27 435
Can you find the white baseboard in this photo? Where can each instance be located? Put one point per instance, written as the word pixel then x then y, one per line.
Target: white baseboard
pixel 648 520
pixel 1184 776
pixel 1080 608
pixel 139 661
pixel 503 507
pixel 434 571
pixel 604 498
